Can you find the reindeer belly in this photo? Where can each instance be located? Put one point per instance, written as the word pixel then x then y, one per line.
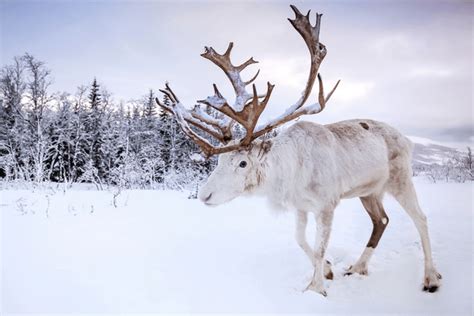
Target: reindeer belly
pixel 368 170
pixel 368 179
pixel 364 189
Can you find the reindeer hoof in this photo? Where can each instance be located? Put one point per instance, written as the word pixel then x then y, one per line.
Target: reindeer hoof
pixel 430 289
pixel 348 271
pixel 322 292
pixel 432 281
pixel 315 288
pixel 356 269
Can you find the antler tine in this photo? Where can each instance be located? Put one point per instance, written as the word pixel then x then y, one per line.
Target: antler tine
pixel 157 100
pixel 229 49
pixel 171 92
pixel 245 64
pixel 168 94
pixel 216 91
pixel 253 78
pixel 321 98
pixel 332 91
pixel 296 11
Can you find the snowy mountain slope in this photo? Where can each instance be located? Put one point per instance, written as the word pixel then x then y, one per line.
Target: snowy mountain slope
pixel 74 252
pixel 427 151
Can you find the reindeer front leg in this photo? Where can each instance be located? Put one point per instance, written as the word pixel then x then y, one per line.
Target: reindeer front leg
pixel 300 235
pixel 323 230
pixel 301 223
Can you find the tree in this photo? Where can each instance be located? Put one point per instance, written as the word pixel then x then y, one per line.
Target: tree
pixel 149 111
pixel 150 154
pixel 79 137
pixel 38 99
pixel 95 130
pixel 61 137
pixel 12 120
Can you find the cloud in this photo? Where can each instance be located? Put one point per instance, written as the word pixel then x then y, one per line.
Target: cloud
pixel 430 72
pixel 286 72
pixel 350 91
pixel 394 44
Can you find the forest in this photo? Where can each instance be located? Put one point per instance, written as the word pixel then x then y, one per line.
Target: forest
pixel 87 136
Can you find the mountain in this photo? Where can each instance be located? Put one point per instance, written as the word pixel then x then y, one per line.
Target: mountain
pixel 427 151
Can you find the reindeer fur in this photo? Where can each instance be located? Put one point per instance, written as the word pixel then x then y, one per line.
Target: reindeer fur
pixel 310 167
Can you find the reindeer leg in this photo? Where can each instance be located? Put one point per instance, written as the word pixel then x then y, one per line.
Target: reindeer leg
pixel 323 230
pixel 373 206
pixel 406 196
pixel 301 223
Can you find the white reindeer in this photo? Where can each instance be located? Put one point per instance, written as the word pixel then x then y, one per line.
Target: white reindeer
pixel 307 167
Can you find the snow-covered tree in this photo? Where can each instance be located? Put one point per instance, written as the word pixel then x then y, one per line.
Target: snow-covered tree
pixel 12 120
pixel 87 137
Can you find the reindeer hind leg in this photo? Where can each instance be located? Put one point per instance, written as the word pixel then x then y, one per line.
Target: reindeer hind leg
pixel 404 192
pixel 373 206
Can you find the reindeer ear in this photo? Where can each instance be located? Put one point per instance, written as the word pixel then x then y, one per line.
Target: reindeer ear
pixel 265 147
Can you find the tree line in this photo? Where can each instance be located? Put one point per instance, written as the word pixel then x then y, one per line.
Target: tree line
pixel 87 136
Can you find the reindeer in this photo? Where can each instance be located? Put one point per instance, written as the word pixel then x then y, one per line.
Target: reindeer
pixel 307 167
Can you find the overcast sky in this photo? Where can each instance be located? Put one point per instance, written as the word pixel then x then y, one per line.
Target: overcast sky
pixel 408 63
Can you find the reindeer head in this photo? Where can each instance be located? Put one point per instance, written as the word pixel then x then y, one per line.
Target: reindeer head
pixel 238 172
pixel 239 169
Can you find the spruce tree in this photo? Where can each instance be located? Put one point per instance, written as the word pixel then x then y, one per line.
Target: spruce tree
pixel 94 129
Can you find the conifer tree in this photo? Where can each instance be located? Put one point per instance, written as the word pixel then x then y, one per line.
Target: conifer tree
pixel 94 129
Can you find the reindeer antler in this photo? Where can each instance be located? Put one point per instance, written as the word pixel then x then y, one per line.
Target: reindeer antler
pixel 248 107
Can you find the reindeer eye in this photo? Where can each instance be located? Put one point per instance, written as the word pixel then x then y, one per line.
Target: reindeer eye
pixel 243 164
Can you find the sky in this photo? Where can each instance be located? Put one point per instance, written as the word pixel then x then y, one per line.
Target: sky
pixel 408 63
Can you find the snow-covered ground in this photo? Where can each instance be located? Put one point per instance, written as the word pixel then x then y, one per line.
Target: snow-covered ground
pixel 157 251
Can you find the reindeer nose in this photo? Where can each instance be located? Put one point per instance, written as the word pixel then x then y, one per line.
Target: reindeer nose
pixel 205 199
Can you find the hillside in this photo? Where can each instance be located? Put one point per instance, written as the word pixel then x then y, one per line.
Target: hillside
pixel 427 151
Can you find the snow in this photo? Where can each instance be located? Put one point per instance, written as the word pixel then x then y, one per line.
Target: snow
pixel 223 123
pixel 215 101
pixel 197 157
pixel 428 142
pixel 423 141
pixel 311 109
pixel 182 115
pixel 157 251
